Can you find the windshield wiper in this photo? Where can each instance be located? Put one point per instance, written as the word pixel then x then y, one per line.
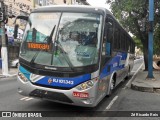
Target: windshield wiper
pixel 64 55
pixel 50 36
pixel 48 39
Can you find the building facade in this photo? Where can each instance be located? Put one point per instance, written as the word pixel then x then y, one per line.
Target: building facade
pixel 24 7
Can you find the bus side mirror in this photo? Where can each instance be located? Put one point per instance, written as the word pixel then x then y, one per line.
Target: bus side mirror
pixel 21 18
pixel 17 26
pixel 15 31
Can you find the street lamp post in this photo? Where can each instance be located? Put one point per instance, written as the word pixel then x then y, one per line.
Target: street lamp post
pixel 150 40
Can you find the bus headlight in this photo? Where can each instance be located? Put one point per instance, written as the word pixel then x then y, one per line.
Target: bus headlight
pixel 87 84
pixel 22 77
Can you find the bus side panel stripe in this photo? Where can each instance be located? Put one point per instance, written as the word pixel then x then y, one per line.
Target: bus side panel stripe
pixel 117 63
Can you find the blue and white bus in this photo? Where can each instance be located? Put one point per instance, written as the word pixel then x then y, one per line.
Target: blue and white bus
pixel 73 55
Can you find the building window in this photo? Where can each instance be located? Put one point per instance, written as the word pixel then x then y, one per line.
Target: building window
pixel 42 2
pixel 64 1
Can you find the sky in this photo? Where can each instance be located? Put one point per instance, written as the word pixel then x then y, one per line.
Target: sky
pixel 101 3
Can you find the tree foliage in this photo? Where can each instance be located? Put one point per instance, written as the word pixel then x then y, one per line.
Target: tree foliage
pixel 133 15
pixel 137 42
pixel 157 40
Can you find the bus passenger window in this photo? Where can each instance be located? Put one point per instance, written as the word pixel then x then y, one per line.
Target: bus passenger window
pixel 108 37
pixel 108 48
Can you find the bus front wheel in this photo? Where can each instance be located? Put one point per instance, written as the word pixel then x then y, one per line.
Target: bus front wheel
pixel 112 84
pixel 128 74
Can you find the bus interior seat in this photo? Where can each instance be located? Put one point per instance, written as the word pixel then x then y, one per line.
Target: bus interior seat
pixel 88 39
pixel 74 35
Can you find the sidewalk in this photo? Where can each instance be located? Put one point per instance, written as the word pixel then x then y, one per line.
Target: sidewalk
pixel 11 73
pixel 142 83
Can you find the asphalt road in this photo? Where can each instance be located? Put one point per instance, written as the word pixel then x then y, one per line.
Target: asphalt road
pixel 122 99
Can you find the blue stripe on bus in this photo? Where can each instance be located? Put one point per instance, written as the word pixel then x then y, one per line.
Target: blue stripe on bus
pixel 115 61
pixel 64 82
pixel 25 72
pixel 57 81
pixel 114 65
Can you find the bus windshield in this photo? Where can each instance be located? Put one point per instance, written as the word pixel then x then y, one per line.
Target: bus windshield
pixel 62 39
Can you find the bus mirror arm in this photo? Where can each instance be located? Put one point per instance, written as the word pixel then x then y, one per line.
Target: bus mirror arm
pixel 15 31
pixel 20 17
pixel 17 26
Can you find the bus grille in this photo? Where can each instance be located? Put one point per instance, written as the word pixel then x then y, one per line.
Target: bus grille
pixel 50 95
pixel 53 87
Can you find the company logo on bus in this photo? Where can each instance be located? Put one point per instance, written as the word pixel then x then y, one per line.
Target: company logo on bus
pixel 50 80
pixel 80 94
pixel 38 46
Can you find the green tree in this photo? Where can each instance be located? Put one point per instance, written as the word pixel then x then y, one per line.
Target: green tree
pixel 157 40
pixel 133 15
pixel 138 42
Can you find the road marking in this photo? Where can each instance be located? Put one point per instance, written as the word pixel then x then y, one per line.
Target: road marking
pixel 28 99
pixel 111 103
pixel 134 75
pixel 116 97
pixel 24 98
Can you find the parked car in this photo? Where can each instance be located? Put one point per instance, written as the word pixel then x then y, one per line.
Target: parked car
pixel 14 63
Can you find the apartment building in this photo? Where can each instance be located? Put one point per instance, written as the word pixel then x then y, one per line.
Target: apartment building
pixel 24 7
pixel 17 7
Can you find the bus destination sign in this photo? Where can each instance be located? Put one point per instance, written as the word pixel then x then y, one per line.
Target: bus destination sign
pixel 38 46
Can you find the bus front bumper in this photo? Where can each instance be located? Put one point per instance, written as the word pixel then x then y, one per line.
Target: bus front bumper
pixel 60 96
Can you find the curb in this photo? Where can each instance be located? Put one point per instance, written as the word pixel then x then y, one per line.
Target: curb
pixel 133 77
pixel 142 89
pixel 146 85
pixel 7 76
pixel 145 89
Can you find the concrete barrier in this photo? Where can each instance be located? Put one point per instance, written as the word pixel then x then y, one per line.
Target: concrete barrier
pixel 155 64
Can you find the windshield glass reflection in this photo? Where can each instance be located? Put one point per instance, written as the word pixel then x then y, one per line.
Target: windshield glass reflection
pixel 74 43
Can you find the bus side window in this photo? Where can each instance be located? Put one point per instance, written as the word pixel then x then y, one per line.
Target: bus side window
pixel 108 48
pixel 107 41
pixel 104 49
pixel 108 37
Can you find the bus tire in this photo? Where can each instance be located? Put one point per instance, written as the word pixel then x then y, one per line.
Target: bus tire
pixel 128 73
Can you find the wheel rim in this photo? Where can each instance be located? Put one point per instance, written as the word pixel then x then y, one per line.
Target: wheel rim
pixel 112 84
pixel 128 74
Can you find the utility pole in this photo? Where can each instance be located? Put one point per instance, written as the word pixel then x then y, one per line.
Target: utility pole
pixel 4 53
pixel 150 40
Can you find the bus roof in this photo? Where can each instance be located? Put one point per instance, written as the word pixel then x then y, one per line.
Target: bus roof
pixel 77 8
pixel 73 8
